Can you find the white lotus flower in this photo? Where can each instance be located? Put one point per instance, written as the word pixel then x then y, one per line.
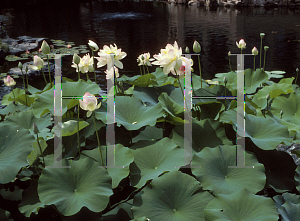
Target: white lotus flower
pixel 181 70
pixel 38 63
pixel 89 103
pixel 110 73
pixel 85 65
pixel 144 59
pixel 105 60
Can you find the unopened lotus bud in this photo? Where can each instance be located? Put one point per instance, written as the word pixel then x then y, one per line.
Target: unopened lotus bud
pixel 20 65
pixel 225 80
pixel 187 50
pixel 76 58
pixel 229 53
pixel 262 35
pixel 35 129
pixel 26 69
pixel 45 47
pixel 254 51
pixel 196 47
pixel 266 48
pixel 268 97
pixel 297 70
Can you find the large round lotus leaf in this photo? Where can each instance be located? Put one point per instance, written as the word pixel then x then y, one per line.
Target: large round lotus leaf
pixel 231 79
pixel 69 189
pixel 283 87
pixel 36 153
pixel 152 160
pixel 44 102
pixel 169 105
pixel 241 205
pixel 30 201
pixel 70 127
pixel 15 146
pixel 211 109
pixel 290 105
pixel 206 133
pixel 144 80
pixel 8 98
pixel 215 175
pixel 281 199
pixel 253 79
pixel 264 132
pixel 161 78
pixel 275 74
pixel 11 108
pixel 150 133
pixel 297 178
pixel 122 158
pixel 174 196
pixel 132 114
pixel 290 211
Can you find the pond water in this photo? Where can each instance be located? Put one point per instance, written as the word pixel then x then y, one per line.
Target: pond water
pixel 139 27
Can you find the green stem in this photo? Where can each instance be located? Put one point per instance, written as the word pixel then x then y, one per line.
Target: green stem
pixel 144 69
pixel 296 78
pixel 78 72
pixel 200 69
pixel 24 87
pixel 44 76
pixel 229 64
pixel 260 53
pixel 265 59
pixel 78 128
pixel 141 70
pixel 254 63
pixel 37 138
pixel 98 139
pixel 147 68
pixel 164 124
pixel 13 92
pixel 94 67
pixel 49 71
pixel 179 83
pixel 87 76
pixel 225 96
pixel 27 80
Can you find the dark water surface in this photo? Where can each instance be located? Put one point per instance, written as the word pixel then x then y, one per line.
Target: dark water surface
pixel 148 26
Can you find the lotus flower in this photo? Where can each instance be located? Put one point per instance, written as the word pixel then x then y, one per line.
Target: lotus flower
pixel 93 45
pixel 89 103
pixel 169 58
pixel 241 44
pixel 38 63
pixel 181 70
pixel 110 73
pixel 144 59
pixel 105 60
pixel 196 47
pixel 9 81
pixel 254 51
pixel 45 47
pixel 85 65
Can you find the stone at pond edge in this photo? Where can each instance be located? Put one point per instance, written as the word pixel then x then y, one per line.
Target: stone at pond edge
pixel 288 149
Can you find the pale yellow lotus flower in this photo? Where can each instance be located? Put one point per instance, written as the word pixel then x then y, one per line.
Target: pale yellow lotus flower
pixel 105 60
pixel 169 58
pixel 144 59
pixel 89 103
pixel 241 44
pixel 38 63
pixel 9 81
pixel 85 65
pixel 181 70
pixel 110 73
pixel 254 51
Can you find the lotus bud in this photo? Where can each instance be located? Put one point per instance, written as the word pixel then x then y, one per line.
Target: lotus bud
pixel 9 81
pixel 196 47
pixel 266 48
pixel 297 70
pixel 20 65
pixel 76 58
pixel 45 47
pixel 26 69
pixel 229 53
pixel 93 45
pixel 254 51
pixel 241 44
pixel 262 35
pixel 268 97
pixel 187 50
pixel 225 80
pixel 35 129
pixel 281 112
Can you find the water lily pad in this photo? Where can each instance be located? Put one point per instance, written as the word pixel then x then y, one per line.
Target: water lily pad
pixel 150 133
pixel 215 175
pixel 15 146
pixel 241 205
pixel 173 196
pixel 70 189
pixel 69 127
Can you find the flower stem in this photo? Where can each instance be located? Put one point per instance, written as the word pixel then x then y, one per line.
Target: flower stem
pixel 94 67
pixel 98 139
pixel 260 53
pixel 78 129
pixel 147 68
pixel 87 76
pixel 37 138
pixel 141 70
pixel 26 80
pixel 13 92
pixel 24 87
pixel 44 77
pixel 254 63
pixel 229 63
pixel 49 71
pixel 296 78
pixel 265 59
pixel 200 69
pixel 78 72
pixel 144 69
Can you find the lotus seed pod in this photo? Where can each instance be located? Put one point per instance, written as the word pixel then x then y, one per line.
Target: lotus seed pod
pixel 196 47
pixel 266 48
pixel 35 129
pixel 297 70
pixel 268 96
pixel 187 50
pixel 76 58
pixel 20 65
pixel 262 35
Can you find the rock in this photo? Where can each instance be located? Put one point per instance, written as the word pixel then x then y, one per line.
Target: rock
pixel 22 44
pixel 288 149
pixel 31 72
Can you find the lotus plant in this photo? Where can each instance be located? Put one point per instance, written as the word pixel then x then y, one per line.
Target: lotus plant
pixel 38 64
pixel 9 81
pixel 94 47
pixel 197 50
pixel 241 45
pixel 76 61
pixel 229 54
pixel 262 35
pixel 144 59
pixel 46 50
pixel 89 103
pixel 85 65
pixel 254 52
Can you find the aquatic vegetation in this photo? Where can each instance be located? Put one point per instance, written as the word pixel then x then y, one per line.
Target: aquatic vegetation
pixel 155 172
